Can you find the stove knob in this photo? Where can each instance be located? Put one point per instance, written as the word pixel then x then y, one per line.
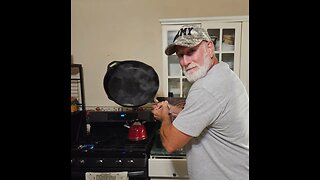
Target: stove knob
pixel 81 161
pixel 99 162
pixel 118 161
pixel 131 161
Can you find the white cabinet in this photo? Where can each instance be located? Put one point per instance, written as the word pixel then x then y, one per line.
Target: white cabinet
pixel 231 38
pixel 168 169
pixel 227 40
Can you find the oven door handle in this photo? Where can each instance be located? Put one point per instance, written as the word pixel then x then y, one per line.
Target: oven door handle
pixel 135 173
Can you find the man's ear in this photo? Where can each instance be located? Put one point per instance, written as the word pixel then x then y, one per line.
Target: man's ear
pixel 211 49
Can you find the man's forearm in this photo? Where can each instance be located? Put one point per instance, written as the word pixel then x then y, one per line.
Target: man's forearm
pixel 166 125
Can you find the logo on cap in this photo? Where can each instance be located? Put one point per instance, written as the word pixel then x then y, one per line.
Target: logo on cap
pixel 183 31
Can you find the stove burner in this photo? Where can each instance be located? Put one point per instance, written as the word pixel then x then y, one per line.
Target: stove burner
pixel 86 147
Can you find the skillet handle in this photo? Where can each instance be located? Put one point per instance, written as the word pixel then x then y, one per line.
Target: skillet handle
pixel 113 63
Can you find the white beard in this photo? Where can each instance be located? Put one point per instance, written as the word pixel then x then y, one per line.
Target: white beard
pixel 202 71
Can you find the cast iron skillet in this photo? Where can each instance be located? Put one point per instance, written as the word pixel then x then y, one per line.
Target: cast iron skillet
pixel 130 83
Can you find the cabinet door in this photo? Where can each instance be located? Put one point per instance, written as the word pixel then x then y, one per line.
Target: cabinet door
pixel 175 83
pixel 168 168
pixel 227 39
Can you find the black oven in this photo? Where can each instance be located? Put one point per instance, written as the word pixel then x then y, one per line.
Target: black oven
pixel 105 147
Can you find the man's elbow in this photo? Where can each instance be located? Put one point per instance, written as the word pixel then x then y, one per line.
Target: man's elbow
pixel 170 149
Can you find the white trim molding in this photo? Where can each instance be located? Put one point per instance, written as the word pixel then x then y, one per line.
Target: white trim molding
pixel 198 19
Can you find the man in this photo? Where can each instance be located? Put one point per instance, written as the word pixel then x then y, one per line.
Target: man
pixel 213 126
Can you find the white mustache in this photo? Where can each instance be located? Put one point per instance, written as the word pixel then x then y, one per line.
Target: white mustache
pixel 190 66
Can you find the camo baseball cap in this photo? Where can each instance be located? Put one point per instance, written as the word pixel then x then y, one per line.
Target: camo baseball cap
pixel 188 36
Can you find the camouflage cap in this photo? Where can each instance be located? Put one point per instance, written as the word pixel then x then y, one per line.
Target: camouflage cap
pixel 188 36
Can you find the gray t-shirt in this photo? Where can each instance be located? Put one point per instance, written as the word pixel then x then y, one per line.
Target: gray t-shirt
pixel 216 114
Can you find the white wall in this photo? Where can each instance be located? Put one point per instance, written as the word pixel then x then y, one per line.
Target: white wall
pixel 105 30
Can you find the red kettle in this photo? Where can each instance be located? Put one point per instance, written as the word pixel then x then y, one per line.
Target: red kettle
pixel 137 131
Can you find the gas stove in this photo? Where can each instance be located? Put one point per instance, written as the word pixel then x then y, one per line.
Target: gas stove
pixel 106 148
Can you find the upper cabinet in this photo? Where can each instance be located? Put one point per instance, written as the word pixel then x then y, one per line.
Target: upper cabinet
pixel 231 38
pixel 227 39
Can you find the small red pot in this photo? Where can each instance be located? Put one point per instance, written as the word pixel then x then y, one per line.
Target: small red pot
pixel 137 131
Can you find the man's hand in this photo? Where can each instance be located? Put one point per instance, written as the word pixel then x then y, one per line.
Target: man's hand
pixel 175 110
pixel 160 110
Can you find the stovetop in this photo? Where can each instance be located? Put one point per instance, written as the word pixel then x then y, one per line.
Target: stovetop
pixel 110 136
pixel 114 141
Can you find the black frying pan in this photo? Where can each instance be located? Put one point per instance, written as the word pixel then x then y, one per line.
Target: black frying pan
pixel 130 83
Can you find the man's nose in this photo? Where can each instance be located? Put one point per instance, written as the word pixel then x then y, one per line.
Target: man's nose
pixel 185 60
